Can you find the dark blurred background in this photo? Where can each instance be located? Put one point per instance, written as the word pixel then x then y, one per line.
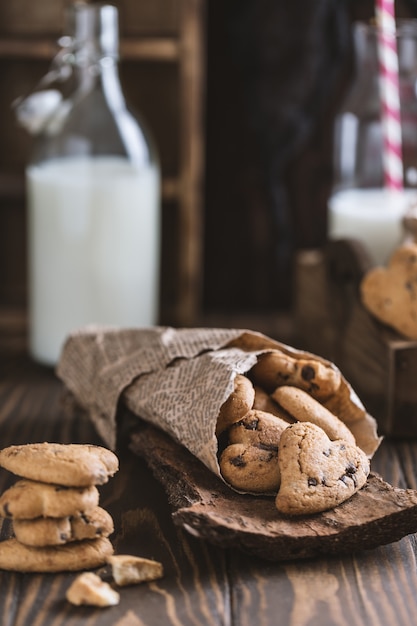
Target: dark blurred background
pixel 241 96
pixel 277 73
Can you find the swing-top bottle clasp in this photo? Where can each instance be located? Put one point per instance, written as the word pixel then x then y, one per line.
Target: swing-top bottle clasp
pixel 34 109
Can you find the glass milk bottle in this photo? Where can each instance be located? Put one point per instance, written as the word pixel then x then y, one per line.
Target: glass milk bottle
pixel 360 207
pixel 93 199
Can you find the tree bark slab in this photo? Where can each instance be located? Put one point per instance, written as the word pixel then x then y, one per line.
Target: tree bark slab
pixel 207 508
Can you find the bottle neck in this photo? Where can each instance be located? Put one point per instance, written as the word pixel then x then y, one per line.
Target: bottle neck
pixel 99 73
pixel 94 45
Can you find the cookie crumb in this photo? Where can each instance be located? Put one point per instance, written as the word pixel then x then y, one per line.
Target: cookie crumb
pixel 130 570
pixel 89 589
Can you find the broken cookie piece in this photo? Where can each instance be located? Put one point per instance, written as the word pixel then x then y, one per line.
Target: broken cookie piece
pixel 89 589
pixel 130 570
pixel 317 474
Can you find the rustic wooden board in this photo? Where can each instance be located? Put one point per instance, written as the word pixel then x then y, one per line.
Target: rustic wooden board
pixel 204 584
pixel 204 506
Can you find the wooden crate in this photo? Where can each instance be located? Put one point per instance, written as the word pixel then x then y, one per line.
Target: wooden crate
pixel 331 321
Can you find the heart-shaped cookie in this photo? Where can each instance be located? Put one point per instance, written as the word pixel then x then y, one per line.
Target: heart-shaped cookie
pixel 390 294
pixel 316 473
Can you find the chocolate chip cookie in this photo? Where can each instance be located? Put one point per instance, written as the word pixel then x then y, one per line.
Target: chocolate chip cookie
pixel 28 499
pixel 258 428
pixel 250 468
pixel 237 404
pixel 276 368
pixel 303 408
pixel 316 473
pixel 73 465
pixel 76 556
pixel 50 531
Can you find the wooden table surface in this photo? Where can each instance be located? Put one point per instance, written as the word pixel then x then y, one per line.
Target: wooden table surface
pixel 203 584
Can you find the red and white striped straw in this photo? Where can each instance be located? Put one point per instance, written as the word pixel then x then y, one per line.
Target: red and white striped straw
pixel 390 96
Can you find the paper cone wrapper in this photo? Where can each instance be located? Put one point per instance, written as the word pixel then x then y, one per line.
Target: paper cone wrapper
pixel 177 380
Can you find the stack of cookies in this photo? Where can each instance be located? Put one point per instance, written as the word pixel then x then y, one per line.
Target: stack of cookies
pixel 277 436
pixel 54 507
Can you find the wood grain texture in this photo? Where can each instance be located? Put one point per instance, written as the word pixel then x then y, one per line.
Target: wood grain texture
pixel 203 584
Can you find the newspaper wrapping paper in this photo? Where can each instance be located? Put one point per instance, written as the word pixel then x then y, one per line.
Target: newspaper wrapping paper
pixel 177 380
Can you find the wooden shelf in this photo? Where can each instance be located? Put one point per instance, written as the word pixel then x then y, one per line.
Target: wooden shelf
pixel 150 49
pixel 146 49
pixel 27 49
pixel 12 186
